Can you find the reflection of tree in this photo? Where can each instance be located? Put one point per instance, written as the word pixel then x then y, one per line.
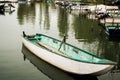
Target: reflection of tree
pixel 112 51
pixel 44 15
pixel 109 49
pixel 40 15
pixel 26 13
pixel 85 29
pixel 62 21
pixel 47 21
pixel 20 13
pixel 88 31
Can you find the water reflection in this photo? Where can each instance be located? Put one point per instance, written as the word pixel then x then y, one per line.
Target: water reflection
pixel 85 29
pixel 26 13
pixel 5 12
pixel 63 21
pixel 51 71
pixel 2 12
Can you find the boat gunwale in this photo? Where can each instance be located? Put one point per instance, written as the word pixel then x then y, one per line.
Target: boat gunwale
pixel 91 54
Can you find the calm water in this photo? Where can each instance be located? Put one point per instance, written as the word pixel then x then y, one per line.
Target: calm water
pixel 17 63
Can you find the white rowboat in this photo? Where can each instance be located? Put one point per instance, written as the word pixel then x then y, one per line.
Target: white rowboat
pixel 67 57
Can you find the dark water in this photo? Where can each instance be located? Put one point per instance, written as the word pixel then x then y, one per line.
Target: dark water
pixel 17 63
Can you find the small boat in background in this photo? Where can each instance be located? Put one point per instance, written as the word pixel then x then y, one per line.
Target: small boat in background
pixel 101 8
pixel 65 56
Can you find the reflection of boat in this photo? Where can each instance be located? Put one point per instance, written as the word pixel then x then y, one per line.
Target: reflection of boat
pixel 51 71
pixel 6 7
pixel 66 56
pixel 2 12
pixel 9 7
pixel 2 7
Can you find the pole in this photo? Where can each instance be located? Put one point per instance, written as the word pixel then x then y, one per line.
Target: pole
pixel 63 41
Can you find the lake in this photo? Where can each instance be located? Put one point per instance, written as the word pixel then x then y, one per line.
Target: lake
pixel 18 63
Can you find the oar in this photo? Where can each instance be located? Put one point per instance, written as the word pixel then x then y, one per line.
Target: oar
pixel 63 41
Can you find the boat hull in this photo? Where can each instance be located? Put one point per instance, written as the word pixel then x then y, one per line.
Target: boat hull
pixel 66 64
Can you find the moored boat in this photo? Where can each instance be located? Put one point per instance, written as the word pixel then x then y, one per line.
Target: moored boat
pixel 101 8
pixel 65 56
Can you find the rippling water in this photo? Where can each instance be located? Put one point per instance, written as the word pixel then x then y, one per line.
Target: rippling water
pixel 17 63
